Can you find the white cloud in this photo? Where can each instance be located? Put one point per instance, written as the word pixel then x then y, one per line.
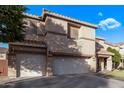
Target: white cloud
pixel 109 23
pixel 100 14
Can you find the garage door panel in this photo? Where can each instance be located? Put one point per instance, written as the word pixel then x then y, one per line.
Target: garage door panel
pixel 69 66
pixel 30 64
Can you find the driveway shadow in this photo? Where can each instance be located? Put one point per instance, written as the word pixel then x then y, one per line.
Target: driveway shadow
pixel 68 81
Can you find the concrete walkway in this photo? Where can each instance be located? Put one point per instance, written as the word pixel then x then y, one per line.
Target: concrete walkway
pixel 67 81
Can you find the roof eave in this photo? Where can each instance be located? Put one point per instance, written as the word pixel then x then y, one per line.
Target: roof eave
pixel 49 13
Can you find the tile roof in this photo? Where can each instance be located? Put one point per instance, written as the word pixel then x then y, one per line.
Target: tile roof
pixel 50 13
pixel 32 16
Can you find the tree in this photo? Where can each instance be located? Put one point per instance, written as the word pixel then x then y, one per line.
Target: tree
pixel 116 58
pixel 11 23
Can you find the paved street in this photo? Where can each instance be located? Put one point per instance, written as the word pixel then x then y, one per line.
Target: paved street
pixel 68 81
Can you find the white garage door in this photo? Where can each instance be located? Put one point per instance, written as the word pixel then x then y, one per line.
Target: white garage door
pixel 30 64
pixel 69 65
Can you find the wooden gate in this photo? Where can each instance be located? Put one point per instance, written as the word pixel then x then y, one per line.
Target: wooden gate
pixel 3 67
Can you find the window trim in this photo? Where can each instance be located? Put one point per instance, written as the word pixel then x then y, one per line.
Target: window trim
pixel 71 25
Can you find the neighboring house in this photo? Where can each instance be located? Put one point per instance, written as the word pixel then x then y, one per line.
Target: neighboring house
pixel 118 46
pixel 3 62
pixel 104 58
pixel 54 45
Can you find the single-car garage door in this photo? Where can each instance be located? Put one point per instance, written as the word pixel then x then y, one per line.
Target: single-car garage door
pixel 69 65
pixel 30 64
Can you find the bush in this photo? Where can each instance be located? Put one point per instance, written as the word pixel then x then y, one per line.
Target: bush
pixel 116 58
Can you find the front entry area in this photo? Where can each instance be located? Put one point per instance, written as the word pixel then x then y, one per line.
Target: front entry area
pixel 102 64
pixel 104 60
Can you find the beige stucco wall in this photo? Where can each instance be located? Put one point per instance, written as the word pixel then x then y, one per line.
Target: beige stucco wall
pixel 87 32
pixel 35 29
pixel 86 47
pixel 55 25
pixel 60 43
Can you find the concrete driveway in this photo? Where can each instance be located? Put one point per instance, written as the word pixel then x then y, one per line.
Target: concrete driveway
pixel 67 81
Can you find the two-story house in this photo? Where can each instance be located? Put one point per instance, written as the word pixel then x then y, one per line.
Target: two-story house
pixel 54 44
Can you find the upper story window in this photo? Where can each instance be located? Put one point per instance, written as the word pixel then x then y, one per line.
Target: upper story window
pixel 73 31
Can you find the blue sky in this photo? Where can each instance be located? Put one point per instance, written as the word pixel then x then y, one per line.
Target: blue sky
pixel 110 18
pixel 4 45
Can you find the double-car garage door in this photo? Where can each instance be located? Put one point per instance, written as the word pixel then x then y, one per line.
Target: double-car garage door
pixel 30 64
pixel 69 65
